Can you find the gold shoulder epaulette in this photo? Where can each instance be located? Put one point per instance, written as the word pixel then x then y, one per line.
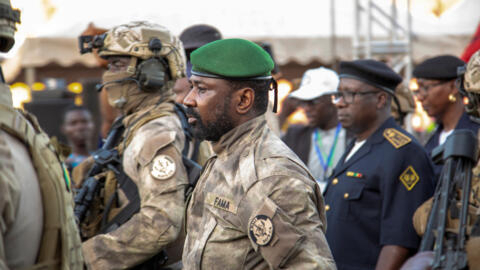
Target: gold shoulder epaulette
pixel 396 138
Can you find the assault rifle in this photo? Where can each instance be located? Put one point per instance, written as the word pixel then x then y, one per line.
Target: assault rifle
pixel 105 158
pixel 451 197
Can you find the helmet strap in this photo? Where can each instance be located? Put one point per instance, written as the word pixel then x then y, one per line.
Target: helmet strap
pixel 132 67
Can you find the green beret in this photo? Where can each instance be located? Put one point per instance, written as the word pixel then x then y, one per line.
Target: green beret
pixel 232 59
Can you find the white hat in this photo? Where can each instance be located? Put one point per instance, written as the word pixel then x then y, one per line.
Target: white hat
pixel 315 83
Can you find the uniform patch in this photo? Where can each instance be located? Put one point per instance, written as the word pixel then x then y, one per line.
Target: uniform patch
pixel 409 178
pixel 396 138
pixel 355 174
pixel 261 230
pixel 221 203
pixel 163 167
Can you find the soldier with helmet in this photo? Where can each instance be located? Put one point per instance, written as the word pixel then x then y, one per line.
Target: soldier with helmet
pixel 37 225
pixel 136 219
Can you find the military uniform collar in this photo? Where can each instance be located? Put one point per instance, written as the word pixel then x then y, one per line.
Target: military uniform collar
pixel 239 135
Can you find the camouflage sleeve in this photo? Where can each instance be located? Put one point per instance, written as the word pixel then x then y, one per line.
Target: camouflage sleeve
pixel 9 198
pixel 161 184
pixel 286 227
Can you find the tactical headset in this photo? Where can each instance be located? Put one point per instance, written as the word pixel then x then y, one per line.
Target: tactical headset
pixel 149 74
pixel 473 99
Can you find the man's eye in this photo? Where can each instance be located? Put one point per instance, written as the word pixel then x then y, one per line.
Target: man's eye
pixel 201 89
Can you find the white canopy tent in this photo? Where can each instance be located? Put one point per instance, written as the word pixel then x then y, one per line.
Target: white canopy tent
pixel 298 31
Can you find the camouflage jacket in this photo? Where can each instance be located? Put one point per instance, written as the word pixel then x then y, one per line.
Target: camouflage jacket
pixel 255 206
pixel 153 160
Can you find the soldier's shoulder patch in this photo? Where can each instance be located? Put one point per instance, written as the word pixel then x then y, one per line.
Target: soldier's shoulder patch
pixel 409 178
pixel 396 138
pixel 261 230
pixel 163 167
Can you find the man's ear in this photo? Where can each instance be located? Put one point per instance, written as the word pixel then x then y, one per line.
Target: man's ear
pixel 382 100
pixel 244 99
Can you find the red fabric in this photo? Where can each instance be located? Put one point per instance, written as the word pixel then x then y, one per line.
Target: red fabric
pixel 473 46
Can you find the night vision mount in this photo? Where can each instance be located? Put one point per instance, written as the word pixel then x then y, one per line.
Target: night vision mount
pixel 88 43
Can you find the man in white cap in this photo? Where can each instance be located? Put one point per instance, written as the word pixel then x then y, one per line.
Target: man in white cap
pixel 321 143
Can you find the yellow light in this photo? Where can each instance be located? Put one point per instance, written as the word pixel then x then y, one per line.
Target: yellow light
pixel 75 87
pixel 38 86
pixel 413 85
pixel 420 120
pixel 298 117
pixel 78 100
pixel 417 122
pixel 466 101
pixel 20 94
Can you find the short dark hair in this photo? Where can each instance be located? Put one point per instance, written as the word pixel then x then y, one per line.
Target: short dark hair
pixel 73 107
pixel 261 88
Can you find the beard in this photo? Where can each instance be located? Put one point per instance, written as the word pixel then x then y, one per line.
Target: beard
pixel 212 131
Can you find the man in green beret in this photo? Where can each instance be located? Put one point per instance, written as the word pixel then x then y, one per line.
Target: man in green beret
pixel 255 204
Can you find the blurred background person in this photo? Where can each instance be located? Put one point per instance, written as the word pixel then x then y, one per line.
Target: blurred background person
pixel 321 143
pixel 192 38
pixel 78 128
pixel 440 98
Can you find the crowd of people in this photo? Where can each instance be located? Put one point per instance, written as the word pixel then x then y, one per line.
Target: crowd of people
pixel 193 174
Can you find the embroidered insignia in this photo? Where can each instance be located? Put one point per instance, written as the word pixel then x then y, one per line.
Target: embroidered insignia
pixel 355 174
pixel 409 178
pixel 221 203
pixel 163 167
pixel 396 138
pixel 261 230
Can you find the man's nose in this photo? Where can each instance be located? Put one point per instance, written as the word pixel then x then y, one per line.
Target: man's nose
pixel 189 99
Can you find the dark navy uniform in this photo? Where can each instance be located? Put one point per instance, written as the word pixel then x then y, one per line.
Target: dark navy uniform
pixel 371 198
pixel 464 123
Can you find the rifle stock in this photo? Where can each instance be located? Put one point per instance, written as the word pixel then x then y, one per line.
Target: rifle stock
pixel 458 154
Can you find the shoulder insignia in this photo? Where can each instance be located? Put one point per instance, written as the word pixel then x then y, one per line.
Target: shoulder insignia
pixel 221 202
pixel 409 178
pixel 163 167
pixel 261 230
pixel 396 138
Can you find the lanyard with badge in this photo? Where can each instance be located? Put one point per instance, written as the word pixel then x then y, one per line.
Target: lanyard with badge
pixel 318 145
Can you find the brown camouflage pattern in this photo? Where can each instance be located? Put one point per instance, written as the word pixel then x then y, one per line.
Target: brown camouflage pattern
pixel 159 221
pixel 472 74
pixel 252 174
pixel 132 39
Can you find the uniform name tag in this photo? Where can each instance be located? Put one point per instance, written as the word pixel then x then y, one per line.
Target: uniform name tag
pixel 221 203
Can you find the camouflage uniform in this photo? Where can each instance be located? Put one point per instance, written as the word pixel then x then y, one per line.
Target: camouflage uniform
pixel 151 155
pixel 20 202
pixel 159 220
pixel 37 226
pixel 255 207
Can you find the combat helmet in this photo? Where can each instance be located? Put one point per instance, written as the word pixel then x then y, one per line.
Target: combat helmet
pixel 469 84
pixel 145 40
pixel 471 81
pixel 8 18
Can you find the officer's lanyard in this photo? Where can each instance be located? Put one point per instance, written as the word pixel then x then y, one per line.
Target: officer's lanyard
pixel 318 145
